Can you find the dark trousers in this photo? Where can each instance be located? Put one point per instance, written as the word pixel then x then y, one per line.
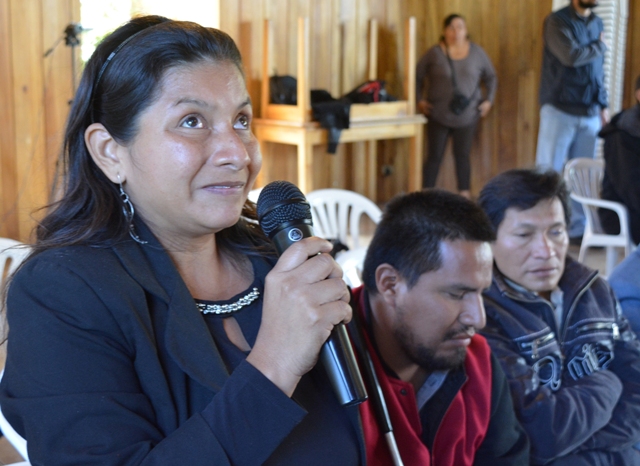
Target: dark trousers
pixel 437 136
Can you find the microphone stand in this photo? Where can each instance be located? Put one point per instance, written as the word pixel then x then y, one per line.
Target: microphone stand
pixel 376 396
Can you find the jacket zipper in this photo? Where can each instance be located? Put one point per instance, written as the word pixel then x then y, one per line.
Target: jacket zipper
pixel 573 306
pixel 602 326
pixel 554 324
pixel 535 344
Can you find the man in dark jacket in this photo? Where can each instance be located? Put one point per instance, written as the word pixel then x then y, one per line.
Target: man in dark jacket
pixel 421 305
pixel 622 168
pixel 572 361
pixel 573 98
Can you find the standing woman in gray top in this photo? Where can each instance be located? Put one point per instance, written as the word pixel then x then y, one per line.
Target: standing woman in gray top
pixel 436 86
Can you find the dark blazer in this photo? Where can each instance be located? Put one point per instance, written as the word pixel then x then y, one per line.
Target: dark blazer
pixel 110 363
pixel 622 170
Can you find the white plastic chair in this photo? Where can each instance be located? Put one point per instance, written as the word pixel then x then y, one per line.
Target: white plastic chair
pixel 254 194
pixel 19 443
pixel 584 180
pixel 352 262
pixel 12 253
pixel 337 213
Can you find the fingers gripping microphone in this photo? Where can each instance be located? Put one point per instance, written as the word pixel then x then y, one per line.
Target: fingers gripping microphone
pixel 285 217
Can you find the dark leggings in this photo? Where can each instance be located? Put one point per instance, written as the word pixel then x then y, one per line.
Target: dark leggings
pixel 437 136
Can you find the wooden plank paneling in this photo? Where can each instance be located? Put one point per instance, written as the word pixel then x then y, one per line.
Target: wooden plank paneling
pixel 8 170
pixel 34 90
pixel 632 63
pixel 58 77
pixel 28 95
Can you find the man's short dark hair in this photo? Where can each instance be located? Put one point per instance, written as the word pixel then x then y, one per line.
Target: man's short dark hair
pixel 637 83
pixel 412 227
pixel 522 189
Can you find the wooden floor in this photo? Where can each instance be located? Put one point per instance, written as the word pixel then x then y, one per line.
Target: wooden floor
pixel 596 257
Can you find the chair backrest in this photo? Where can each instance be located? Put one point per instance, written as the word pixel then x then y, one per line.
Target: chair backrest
pixel 584 179
pixel 254 194
pixel 12 253
pixel 19 443
pixel 337 213
pixel 352 263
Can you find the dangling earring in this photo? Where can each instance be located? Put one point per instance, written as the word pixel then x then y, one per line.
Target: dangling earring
pixel 129 211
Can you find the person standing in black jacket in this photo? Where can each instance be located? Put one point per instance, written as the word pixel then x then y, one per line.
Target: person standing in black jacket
pixel 622 168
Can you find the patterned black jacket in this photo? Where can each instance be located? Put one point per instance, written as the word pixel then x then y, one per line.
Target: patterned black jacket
pixel 576 388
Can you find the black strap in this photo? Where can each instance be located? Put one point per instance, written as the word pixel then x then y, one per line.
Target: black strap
pixel 374 389
pixel 453 70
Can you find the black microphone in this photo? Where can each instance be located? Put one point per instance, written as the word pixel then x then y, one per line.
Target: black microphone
pixel 285 217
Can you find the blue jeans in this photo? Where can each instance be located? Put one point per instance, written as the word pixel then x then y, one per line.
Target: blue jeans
pixel 563 137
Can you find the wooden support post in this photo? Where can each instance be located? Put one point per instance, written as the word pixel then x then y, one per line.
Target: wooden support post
pixel 415 159
pixel 304 97
pixel 373 50
pixel 410 70
pixel 266 72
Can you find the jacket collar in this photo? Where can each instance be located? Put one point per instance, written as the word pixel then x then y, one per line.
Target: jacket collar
pixel 574 279
pixel 187 337
pixel 505 289
pixel 574 13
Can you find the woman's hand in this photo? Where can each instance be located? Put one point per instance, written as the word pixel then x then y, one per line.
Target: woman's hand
pixel 484 108
pixel 304 298
pixel 424 106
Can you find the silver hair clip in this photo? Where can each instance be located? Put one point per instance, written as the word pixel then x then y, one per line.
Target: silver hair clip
pixel 104 67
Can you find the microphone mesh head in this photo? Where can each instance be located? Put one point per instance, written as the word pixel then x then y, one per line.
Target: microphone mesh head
pixel 281 202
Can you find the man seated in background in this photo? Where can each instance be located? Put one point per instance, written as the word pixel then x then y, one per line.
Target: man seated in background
pixel 419 309
pixel 625 281
pixel 622 168
pixel 572 361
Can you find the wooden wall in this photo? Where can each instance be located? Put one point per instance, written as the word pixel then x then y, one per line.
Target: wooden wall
pixel 506 138
pixel 632 62
pixel 34 91
pixel 34 95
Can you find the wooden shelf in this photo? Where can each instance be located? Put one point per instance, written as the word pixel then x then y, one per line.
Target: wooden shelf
pixel 293 125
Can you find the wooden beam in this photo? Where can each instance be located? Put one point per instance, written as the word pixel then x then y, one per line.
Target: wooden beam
pixel 28 94
pixel 8 169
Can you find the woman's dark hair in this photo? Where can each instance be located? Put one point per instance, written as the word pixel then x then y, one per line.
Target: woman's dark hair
pixel 447 22
pixel 522 189
pixel 120 81
pixel 412 227
pixel 449 19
